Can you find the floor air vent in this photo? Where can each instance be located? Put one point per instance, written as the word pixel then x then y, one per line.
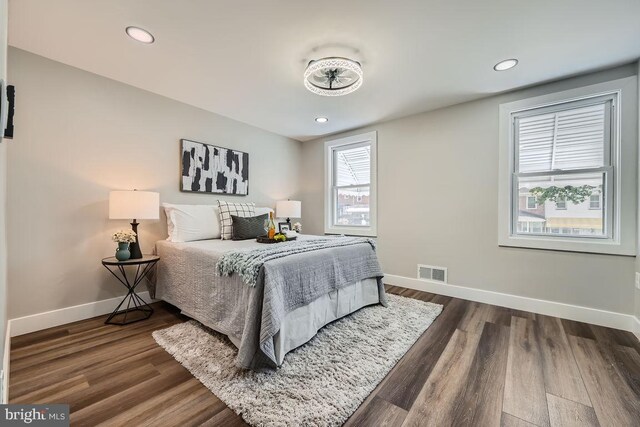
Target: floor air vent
pixel 432 273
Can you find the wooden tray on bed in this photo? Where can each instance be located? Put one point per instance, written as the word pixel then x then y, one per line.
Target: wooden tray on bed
pixel 266 239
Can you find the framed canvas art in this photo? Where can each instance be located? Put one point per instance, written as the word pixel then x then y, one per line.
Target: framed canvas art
pixel 212 169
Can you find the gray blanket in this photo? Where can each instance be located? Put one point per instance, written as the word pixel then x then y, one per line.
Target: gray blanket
pixel 285 283
pixel 247 264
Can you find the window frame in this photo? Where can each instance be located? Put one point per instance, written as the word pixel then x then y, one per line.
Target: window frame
pixel 331 148
pixel 621 172
pixel 610 135
pixel 564 205
pixel 535 203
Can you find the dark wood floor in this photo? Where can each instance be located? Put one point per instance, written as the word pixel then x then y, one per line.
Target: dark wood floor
pixel 477 365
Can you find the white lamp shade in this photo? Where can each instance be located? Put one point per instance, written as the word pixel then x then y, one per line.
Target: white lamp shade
pixel 288 209
pixel 134 205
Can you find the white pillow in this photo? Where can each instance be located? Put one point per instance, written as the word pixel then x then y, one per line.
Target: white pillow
pixel 262 211
pixel 186 223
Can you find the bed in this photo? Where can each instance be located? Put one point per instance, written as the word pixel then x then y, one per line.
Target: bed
pixel 316 288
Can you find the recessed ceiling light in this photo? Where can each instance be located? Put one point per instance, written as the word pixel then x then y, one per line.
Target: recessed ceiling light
pixel 322 119
pixel 140 35
pixel 505 65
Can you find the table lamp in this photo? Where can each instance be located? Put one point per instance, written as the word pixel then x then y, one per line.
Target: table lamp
pixel 134 205
pixel 288 209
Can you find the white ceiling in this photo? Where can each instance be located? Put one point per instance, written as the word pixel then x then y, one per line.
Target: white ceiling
pixel 245 59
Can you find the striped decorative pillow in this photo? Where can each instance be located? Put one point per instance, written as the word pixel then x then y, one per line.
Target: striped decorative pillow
pixel 238 209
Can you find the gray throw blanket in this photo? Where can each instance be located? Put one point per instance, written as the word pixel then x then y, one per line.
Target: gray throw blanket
pixel 247 264
pixel 291 275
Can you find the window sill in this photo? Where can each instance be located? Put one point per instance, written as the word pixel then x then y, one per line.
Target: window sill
pixel 590 246
pixel 351 235
pixel 351 231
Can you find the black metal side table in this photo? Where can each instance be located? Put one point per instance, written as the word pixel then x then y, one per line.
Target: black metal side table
pixel 143 266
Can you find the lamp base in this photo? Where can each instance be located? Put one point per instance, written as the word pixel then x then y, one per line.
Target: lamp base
pixel 134 247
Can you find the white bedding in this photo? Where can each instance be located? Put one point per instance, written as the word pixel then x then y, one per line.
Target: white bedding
pixel 186 278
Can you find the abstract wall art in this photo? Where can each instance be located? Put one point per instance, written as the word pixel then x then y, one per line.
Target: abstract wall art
pixel 211 169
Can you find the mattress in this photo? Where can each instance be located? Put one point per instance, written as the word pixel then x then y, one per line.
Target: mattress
pixel 186 278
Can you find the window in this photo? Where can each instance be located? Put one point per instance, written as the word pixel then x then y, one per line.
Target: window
pixel 565 150
pixel 350 194
pixel 563 157
pixel 561 203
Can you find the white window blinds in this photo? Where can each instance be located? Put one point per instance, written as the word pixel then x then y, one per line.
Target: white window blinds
pixel 562 140
pixel 353 166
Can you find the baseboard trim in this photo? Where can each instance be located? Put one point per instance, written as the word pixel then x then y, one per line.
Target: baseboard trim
pixel 636 327
pixel 5 366
pixel 49 319
pixel 595 316
pixel 627 322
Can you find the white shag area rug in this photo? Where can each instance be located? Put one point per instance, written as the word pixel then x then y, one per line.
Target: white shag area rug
pixel 320 383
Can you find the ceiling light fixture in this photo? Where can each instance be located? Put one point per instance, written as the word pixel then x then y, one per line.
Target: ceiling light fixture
pixel 322 119
pixel 143 36
pixel 333 76
pixel 505 65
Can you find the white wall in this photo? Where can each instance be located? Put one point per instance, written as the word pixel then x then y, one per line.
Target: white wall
pixel 4 15
pixel 78 136
pixel 438 205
